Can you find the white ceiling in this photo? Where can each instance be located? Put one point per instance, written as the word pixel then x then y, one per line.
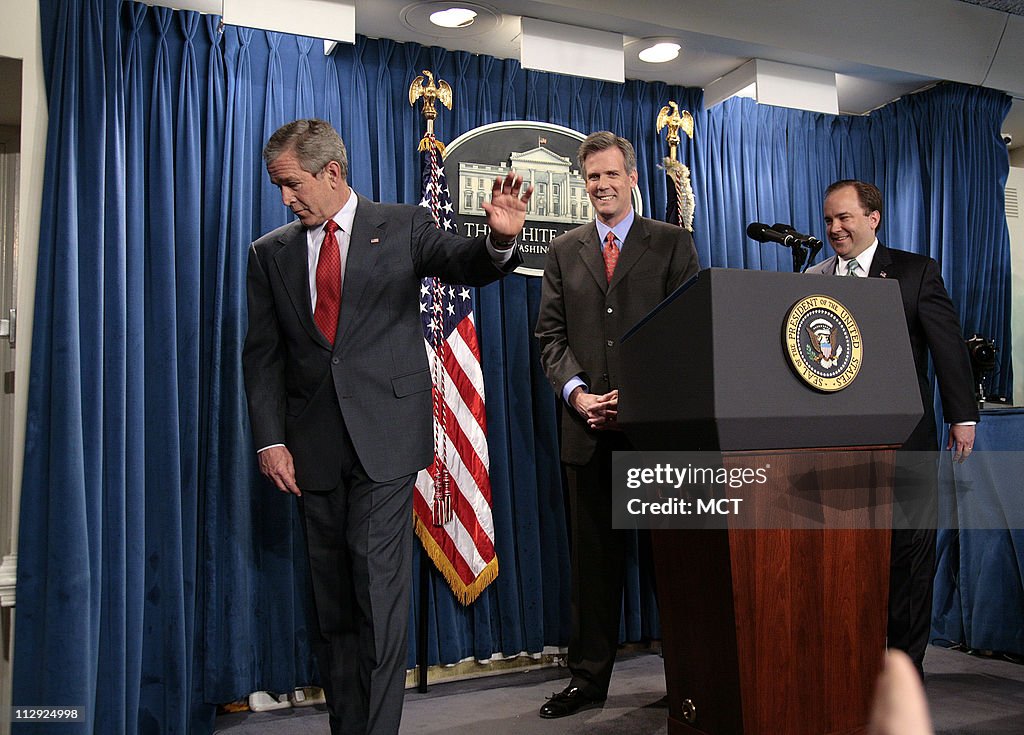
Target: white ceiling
pixel 880 49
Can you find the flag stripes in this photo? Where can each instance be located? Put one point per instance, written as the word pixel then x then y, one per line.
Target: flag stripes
pixel 461 545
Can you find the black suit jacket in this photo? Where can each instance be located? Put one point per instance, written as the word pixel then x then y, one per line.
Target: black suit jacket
pixel 582 316
pixel 934 327
pixel 375 378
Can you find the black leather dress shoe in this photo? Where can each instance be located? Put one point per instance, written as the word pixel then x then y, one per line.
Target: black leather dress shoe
pixel 568 701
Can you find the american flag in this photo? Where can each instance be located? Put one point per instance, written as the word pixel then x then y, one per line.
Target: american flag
pixel 452 503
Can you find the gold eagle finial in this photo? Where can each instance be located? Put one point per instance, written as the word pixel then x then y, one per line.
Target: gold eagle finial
pixel 441 92
pixel 675 120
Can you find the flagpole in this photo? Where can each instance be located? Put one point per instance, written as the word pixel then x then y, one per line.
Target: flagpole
pixel 422 629
pixel 680 199
pixel 452 507
pixel 430 93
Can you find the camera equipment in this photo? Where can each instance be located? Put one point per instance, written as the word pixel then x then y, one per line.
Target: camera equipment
pixel 983 361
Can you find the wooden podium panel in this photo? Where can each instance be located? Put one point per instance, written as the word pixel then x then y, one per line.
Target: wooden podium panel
pixel 780 630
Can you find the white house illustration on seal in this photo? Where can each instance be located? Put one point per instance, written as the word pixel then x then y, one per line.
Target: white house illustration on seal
pixel 560 194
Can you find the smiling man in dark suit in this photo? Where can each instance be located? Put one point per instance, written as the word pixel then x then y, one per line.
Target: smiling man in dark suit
pixel 339 395
pixel 853 210
pixel 599 280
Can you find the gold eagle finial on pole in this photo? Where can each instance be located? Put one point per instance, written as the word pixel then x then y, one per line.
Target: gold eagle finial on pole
pixel 441 92
pixel 675 120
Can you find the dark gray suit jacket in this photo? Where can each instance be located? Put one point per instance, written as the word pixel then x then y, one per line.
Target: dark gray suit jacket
pixel 582 316
pixel 934 326
pixel 375 379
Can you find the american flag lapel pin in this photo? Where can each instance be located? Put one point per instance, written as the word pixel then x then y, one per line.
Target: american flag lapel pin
pixel 374 240
pixel 883 274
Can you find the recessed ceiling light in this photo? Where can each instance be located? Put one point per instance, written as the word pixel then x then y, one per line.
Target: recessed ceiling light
pixel 659 53
pixel 453 17
pixel 472 18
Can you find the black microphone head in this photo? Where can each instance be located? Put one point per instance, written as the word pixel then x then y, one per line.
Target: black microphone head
pixel 763 233
pixel 785 229
pixel 756 230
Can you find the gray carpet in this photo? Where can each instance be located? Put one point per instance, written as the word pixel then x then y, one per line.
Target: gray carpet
pixel 968 695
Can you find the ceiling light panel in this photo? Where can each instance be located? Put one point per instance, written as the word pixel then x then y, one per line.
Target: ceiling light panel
pixel 419 17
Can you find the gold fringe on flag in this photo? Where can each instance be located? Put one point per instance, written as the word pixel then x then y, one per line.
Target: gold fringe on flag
pixel 464 593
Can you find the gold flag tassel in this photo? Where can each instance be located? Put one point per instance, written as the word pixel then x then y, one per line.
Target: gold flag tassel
pixel 442 506
pixel 685 203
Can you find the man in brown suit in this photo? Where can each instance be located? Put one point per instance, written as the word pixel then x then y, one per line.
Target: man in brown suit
pixel 599 280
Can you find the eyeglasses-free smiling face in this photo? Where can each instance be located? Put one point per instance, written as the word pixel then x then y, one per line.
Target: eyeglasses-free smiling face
pixel 609 186
pixel 851 229
pixel 312 197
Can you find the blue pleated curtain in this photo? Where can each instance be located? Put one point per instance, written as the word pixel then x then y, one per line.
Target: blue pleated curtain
pixel 937 156
pixel 158 573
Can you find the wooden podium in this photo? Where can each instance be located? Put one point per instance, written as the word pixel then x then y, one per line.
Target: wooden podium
pixel 779 627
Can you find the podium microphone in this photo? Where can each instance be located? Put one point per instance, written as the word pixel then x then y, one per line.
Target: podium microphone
pixel 813 244
pixel 809 240
pixel 764 233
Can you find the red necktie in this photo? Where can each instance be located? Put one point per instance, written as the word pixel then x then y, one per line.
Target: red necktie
pixel 611 255
pixel 328 283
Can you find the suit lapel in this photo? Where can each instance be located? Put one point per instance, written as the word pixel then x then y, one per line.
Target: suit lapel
pixel 881 264
pixel 364 247
pixel 590 253
pixel 636 244
pixel 294 269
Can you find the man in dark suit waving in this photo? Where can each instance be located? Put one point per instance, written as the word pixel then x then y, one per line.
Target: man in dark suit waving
pixel 339 395
pixel 599 280
pixel 853 210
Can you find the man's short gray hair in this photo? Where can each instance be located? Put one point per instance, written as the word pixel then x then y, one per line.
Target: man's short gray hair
pixel 315 142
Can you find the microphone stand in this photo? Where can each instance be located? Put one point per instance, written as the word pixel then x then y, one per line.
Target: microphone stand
pixel 815 246
pixel 799 256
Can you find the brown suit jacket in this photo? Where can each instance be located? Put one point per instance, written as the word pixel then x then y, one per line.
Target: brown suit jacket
pixel 582 316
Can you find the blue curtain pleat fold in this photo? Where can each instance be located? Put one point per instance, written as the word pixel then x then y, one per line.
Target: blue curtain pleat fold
pixel 356 132
pixel 330 107
pixel 484 98
pixel 382 134
pixel 408 182
pixel 159 574
pixel 136 83
pixel 305 97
